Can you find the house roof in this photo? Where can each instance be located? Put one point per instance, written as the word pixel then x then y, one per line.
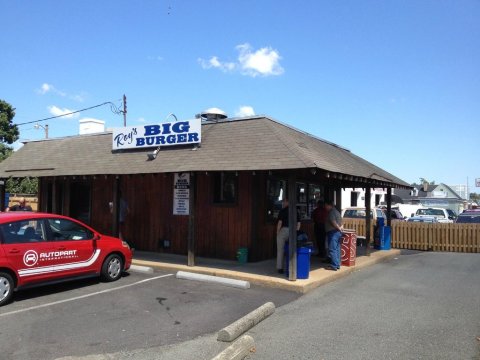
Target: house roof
pixel 256 143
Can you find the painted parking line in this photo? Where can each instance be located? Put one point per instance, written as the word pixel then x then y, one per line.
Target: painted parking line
pixel 84 296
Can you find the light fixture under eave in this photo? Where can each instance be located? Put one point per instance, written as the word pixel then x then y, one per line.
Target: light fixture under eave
pixel 153 155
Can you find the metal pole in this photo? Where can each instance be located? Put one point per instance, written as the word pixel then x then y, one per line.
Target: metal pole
pixel 292 226
pixel 124 110
pixel 46 131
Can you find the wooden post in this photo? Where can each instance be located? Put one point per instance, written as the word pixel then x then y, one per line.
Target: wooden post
pixel 191 222
pixel 54 195
pixel 292 226
pixel 255 190
pixel 338 199
pixel 368 220
pixel 115 205
pixel 66 204
pixel 2 194
pixel 389 206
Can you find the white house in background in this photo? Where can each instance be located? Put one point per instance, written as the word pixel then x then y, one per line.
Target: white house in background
pixel 355 197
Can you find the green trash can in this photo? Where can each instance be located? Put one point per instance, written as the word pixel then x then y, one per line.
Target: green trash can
pixel 242 255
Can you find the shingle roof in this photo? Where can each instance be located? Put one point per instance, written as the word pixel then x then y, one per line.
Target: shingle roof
pixel 257 143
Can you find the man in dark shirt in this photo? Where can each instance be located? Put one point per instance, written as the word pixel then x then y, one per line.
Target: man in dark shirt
pixel 21 206
pixel 319 216
pixel 283 233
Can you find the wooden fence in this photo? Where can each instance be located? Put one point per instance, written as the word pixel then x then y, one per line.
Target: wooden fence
pixel 427 236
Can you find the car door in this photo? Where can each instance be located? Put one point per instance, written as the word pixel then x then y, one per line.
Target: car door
pixel 73 247
pixel 24 243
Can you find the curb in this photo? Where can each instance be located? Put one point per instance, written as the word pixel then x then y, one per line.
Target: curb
pixel 241 284
pixel 141 269
pixel 234 330
pixel 238 350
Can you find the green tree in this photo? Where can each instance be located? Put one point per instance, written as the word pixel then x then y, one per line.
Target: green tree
pixel 8 131
pixel 9 134
pixel 28 185
pixel 475 197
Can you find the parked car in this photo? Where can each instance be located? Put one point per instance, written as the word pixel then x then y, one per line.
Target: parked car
pixel 359 213
pixel 40 248
pixel 395 214
pixel 442 215
pixel 469 217
pixel 423 219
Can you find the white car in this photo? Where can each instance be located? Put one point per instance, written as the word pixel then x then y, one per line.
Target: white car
pixel 442 215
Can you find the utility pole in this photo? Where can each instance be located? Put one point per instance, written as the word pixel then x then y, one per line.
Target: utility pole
pixel 124 110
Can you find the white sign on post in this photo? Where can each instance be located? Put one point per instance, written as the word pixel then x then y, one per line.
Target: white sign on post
pixel 181 194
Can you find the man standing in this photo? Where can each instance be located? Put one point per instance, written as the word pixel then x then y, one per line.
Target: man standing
pixel 282 233
pixel 22 206
pixel 319 216
pixel 334 228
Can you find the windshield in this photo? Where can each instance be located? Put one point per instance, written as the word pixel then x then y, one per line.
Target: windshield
pixel 431 212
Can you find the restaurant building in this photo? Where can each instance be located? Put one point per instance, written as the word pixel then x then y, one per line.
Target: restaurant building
pixel 205 187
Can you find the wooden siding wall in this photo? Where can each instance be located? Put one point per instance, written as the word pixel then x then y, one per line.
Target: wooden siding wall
pixel 221 229
pixel 151 219
pixel 423 236
pixel 101 195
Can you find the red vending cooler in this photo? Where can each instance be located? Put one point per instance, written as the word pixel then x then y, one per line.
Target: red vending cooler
pixel 348 247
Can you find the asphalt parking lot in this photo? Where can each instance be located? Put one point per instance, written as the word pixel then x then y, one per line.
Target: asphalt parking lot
pixel 137 312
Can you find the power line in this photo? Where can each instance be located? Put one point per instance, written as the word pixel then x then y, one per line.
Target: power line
pixel 113 108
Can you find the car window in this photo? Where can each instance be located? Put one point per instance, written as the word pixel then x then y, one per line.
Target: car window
pixel 25 231
pixel 356 213
pixel 63 229
pixel 468 219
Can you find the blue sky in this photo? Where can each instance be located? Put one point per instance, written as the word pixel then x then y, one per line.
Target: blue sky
pixel 396 82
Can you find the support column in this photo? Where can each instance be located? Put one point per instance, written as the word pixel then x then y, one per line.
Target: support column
pixel 54 195
pixel 3 185
pixel 389 206
pixel 368 220
pixel 191 222
pixel 66 200
pixel 115 205
pixel 292 226
pixel 338 199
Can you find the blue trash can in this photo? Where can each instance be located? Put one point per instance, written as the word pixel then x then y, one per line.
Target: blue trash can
pixel 385 238
pixel 304 252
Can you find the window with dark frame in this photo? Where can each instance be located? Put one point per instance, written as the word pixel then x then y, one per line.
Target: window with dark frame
pixel 307 196
pixel 225 188
pixel 354 198
pixel 378 198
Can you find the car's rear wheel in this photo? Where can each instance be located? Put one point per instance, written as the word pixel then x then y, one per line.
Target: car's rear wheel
pixel 6 288
pixel 112 267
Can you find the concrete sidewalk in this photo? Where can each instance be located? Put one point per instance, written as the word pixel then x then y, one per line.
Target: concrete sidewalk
pixel 261 273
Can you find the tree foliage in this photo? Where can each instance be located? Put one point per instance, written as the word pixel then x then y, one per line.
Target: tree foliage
pixel 475 197
pixel 8 132
pixel 28 185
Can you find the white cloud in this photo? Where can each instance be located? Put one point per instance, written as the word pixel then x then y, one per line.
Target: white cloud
pixel 215 63
pixel 49 88
pixel 262 62
pixel 141 120
pixel 44 88
pixel 56 111
pixel 245 111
